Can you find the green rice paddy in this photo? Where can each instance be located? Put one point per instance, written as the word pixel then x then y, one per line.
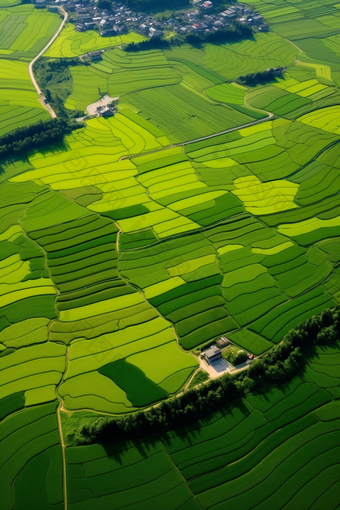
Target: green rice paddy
pixel 201 209
pixel 24 32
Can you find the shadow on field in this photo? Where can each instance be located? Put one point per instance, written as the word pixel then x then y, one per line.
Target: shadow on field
pixel 188 435
pixel 116 450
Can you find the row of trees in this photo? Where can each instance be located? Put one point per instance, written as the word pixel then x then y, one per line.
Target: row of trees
pixel 34 136
pixel 253 79
pixel 278 365
pixel 237 32
pixel 234 33
pixel 155 43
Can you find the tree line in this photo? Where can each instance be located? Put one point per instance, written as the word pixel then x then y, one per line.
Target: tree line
pixel 155 43
pixel 234 33
pixel 35 136
pixel 261 77
pixel 277 366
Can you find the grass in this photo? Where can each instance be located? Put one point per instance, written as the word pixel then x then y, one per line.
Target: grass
pixel 199 378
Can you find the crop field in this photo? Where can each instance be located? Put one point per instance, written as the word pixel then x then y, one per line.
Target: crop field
pixel 277 450
pixel 210 251
pixel 25 31
pixel 203 208
pixel 71 43
pixel 145 79
pixel 19 105
pixel 161 87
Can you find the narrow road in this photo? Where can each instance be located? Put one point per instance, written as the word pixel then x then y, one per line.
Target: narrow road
pixel 60 429
pixel 249 124
pixel 30 66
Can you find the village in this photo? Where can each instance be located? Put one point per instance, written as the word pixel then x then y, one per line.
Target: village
pixel 203 17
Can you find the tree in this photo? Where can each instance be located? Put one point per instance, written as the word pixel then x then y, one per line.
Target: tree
pixel 48 95
pixel 105 5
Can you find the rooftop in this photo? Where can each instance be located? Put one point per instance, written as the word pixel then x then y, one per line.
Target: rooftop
pixel 212 351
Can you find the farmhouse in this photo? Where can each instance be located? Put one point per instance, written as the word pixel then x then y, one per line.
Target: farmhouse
pixel 155 33
pixel 212 354
pixel 95 55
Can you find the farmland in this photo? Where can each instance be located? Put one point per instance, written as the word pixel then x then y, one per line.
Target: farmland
pixel 267 452
pixel 24 32
pixel 203 208
pixel 72 43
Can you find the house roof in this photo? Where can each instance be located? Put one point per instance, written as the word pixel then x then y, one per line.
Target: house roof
pixel 212 351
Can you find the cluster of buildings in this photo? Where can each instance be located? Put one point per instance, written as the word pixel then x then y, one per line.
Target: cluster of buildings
pixel 203 17
pixel 203 20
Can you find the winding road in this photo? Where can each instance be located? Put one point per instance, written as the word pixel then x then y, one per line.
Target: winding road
pixel 30 66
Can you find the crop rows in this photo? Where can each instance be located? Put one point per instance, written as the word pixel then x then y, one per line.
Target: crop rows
pixel 120 254
pixel 24 30
pixel 267 452
pixel 71 43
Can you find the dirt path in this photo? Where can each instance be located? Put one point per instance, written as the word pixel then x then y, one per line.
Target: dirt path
pixel 60 429
pixel 30 66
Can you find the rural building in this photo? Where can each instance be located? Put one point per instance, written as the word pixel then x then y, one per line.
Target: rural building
pixel 199 27
pixel 95 55
pixel 223 342
pixel 258 19
pixel 212 354
pixel 107 112
pixel 155 33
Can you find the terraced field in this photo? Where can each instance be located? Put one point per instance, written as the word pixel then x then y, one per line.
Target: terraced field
pixel 202 209
pixel 19 105
pixel 276 450
pixel 71 43
pixel 24 32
